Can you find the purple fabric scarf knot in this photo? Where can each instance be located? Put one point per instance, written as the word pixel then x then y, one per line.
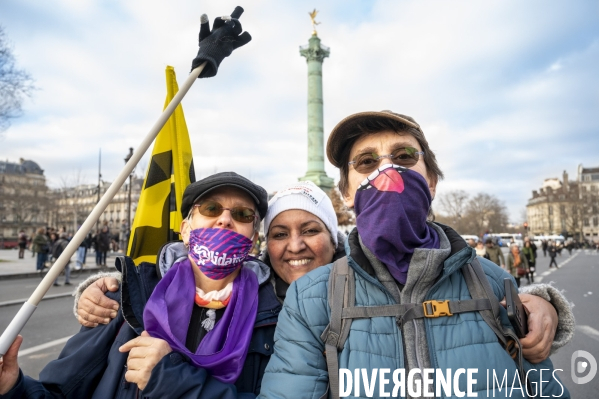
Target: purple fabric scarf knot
pixel 391 208
pixel 224 348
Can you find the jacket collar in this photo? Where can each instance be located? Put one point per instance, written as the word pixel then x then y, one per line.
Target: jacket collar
pixel 460 252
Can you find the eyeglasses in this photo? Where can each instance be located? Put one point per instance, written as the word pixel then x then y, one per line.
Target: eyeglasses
pixel 368 161
pixel 213 209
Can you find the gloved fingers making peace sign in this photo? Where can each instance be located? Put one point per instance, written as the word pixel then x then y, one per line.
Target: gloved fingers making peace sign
pixel 216 44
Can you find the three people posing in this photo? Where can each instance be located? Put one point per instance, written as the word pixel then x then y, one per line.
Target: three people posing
pixel 200 322
pixel 291 231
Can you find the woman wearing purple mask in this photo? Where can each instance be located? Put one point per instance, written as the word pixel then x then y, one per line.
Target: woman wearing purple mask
pixel 301 230
pixel 400 266
pixel 185 324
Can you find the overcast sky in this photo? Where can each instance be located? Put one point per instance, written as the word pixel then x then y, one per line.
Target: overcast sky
pixel 507 92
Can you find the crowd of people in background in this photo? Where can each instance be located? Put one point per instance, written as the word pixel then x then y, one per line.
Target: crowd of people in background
pixel 521 260
pixel 48 243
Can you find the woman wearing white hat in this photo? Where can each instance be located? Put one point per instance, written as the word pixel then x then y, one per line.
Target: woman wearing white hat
pixel 301 231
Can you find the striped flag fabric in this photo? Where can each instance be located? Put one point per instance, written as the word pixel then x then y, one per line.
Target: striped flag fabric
pixel 158 217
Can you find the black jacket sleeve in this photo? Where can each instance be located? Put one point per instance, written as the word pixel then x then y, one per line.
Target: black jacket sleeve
pixel 175 377
pixel 79 368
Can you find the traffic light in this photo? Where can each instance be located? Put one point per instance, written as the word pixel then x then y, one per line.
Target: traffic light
pixel 525 225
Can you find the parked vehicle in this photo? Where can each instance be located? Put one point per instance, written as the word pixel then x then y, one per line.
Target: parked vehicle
pixel 505 239
pixel 8 242
pixel 467 237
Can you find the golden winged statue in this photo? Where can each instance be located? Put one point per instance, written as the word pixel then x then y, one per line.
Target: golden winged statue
pixel 313 19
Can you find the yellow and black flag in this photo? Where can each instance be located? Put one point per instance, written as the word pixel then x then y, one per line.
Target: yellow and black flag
pixel 158 217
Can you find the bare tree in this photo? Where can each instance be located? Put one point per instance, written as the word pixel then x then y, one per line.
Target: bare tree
pixel 453 207
pixel 523 215
pixel 486 212
pixel 15 84
pixel 71 194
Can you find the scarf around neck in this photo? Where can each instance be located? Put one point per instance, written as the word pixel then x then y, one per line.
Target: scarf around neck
pixel 224 348
pixel 516 256
pixel 391 208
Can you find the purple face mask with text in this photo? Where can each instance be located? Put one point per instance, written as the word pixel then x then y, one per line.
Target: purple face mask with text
pixel 218 252
pixel 391 208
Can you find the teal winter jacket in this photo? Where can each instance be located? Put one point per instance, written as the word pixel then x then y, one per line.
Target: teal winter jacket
pixel 298 367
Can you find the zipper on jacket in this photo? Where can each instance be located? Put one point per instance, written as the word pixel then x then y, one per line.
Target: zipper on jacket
pixel 430 292
pixel 401 344
pixel 416 331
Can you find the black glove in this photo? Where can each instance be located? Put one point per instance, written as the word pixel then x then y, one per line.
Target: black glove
pixel 220 43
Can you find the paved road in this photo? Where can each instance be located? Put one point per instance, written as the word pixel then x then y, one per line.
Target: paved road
pixel 578 276
pixel 11 265
pixel 53 320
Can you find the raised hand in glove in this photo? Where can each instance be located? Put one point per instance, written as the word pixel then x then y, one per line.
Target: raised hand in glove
pixel 219 43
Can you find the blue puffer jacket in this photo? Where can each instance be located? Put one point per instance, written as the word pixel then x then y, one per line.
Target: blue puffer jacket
pixel 91 366
pixel 298 367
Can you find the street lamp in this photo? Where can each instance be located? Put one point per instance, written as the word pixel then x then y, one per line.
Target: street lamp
pixel 129 193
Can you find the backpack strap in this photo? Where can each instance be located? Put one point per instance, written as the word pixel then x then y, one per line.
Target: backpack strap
pixel 479 286
pixel 409 311
pixel 342 294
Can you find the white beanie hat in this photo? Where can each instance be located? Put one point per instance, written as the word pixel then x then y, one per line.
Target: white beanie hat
pixel 308 197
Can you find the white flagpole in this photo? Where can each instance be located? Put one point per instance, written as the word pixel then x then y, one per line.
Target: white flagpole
pixel 21 318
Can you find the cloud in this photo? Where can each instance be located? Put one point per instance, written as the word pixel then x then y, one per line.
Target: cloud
pixel 505 93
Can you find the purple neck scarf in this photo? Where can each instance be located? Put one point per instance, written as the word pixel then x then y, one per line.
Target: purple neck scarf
pixel 223 350
pixel 391 206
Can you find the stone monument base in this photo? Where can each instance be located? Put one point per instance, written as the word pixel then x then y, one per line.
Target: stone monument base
pixel 320 179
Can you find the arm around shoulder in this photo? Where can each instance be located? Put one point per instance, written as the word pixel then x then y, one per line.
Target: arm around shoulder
pixel 566 323
pixel 92 306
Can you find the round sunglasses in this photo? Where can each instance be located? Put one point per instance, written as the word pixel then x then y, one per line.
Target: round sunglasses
pixel 368 162
pixel 214 209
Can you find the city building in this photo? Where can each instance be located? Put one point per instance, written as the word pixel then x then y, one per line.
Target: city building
pixel 74 204
pixel 23 200
pixel 588 178
pixel 565 207
pixel 26 203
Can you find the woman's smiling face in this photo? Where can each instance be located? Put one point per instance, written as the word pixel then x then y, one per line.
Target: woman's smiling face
pixel 298 242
